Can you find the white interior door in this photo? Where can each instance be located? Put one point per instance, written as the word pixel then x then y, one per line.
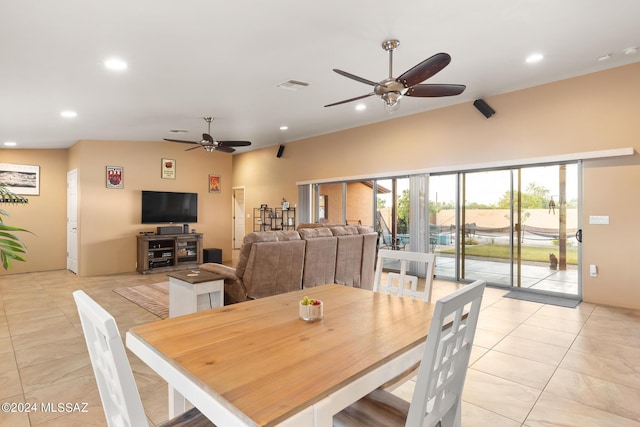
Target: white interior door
pixel 238 217
pixel 72 221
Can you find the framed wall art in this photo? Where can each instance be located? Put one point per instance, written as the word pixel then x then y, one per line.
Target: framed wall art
pixel 168 169
pixel 21 179
pixel 115 177
pixel 214 183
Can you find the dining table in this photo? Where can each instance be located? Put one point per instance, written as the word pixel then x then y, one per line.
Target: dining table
pixel 257 363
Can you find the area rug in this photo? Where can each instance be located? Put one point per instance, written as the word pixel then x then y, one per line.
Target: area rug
pixel 154 298
pixel 543 299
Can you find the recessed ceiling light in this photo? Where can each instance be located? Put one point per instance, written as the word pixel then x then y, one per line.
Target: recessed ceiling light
pixel 631 51
pixel 284 127
pixel 605 57
pixel 68 114
pixel 10 143
pixel 115 64
pixel 361 107
pixel 534 57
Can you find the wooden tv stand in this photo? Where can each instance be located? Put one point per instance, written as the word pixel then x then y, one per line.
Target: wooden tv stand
pixel 168 252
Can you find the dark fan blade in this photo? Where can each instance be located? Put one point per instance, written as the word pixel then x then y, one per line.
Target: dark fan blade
pixel 354 77
pixel 349 100
pixel 225 149
pixel 207 137
pixel 192 148
pixel 435 90
pixel 235 143
pixel 181 141
pixel 427 68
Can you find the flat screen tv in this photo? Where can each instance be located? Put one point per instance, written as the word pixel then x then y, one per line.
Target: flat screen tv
pixel 161 207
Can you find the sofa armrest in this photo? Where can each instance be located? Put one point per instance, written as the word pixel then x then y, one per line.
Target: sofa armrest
pixel 234 289
pixel 221 269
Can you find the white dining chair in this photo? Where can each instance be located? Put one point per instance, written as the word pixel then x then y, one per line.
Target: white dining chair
pixel 437 397
pixel 116 384
pixel 396 283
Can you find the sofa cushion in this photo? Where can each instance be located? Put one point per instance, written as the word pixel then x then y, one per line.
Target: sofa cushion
pixel 274 267
pixel 343 230
pixel 349 260
pixel 311 233
pixel 319 256
pixel 261 236
pixel 369 252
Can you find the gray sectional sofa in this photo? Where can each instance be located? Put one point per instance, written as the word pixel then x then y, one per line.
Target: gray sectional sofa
pixel 275 262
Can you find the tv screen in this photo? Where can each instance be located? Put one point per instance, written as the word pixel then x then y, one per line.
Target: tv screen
pixel 159 207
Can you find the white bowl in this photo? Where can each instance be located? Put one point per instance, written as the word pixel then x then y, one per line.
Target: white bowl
pixel 311 313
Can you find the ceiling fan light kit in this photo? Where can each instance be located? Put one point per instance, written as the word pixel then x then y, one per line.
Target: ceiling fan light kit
pixel 391 90
pixel 210 144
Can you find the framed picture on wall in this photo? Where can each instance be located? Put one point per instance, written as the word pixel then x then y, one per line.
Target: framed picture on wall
pixel 214 183
pixel 168 169
pixel 21 179
pixel 115 177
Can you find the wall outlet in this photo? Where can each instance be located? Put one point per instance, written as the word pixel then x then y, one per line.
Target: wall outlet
pixel 593 270
pixel 599 219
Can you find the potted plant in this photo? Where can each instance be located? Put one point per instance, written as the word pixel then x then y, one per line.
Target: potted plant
pixel 11 248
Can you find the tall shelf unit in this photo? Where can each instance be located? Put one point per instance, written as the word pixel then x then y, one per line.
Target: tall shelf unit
pixel 285 219
pixel 266 219
pixel 169 252
pixel 262 218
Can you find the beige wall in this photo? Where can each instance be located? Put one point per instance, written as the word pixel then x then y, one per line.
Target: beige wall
pixel 588 113
pixel 109 219
pixel 44 215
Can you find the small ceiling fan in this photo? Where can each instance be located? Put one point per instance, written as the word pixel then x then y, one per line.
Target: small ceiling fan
pixel 210 144
pixel 408 84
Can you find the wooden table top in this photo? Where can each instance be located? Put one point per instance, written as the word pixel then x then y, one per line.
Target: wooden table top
pixel 195 276
pixel 269 364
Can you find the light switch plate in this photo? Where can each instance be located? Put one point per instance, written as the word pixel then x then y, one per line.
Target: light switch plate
pixel 599 219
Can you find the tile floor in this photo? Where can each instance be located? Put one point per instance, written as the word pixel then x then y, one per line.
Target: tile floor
pixel 533 365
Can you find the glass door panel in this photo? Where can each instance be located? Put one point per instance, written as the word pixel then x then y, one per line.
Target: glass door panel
pixel 511 227
pixel 442 224
pixel 330 203
pixel 403 217
pixel 485 232
pixel 359 199
pixel 393 216
pixel 549 224
pixel 384 213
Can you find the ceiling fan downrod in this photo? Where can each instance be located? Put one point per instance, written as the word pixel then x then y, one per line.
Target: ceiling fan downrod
pixel 390 46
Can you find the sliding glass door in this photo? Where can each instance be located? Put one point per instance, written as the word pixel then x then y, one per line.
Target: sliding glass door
pixel 512 227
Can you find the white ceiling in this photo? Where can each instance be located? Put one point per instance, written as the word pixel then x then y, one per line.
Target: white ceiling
pixel 193 58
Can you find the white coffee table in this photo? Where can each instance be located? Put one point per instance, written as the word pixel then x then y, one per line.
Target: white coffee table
pixel 194 290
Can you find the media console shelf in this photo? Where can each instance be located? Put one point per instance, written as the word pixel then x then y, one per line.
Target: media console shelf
pixel 169 252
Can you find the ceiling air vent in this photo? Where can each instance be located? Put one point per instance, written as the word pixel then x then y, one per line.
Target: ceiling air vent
pixel 292 85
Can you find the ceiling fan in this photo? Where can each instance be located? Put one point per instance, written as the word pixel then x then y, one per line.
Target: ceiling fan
pixel 408 84
pixel 210 144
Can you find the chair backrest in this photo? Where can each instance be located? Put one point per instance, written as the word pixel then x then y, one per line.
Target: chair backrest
pixel 396 282
pixel 117 387
pixel 438 392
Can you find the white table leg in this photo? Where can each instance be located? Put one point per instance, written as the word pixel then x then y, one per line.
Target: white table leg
pixel 177 403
